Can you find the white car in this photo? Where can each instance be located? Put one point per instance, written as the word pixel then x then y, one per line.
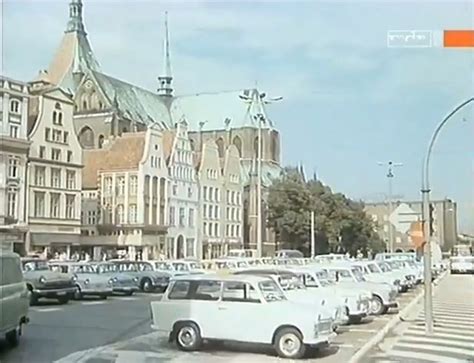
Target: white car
pixel 178 267
pixel 240 308
pixel 295 290
pixel 462 264
pixel 372 271
pixel 384 295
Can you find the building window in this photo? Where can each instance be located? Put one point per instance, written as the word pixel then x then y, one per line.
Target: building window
pixel 39 204
pixel 210 208
pixel 211 230
pixel 108 185
pixel 120 214
pixel 70 206
pixel 132 213
pixel 238 201
pixel 70 179
pixel 217 196
pixel 228 197
pixel 216 229
pixel 55 177
pixel 12 202
pixel 13 167
pixel 227 230
pixel 121 185
pixel 133 185
pixel 65 137
pixel 172 216
pixel 57 135
pixel 204 228
pixel 191 217
pixel 175 189
pixel 237 230
pixel 204 210
pixel 54 205
pixel 232 198
pixel 182 217
pixel 69 156
pixel 232 230
pixel 55 154
pixel 190 192
pixel 14 129
pixel 227 213
pixel 47 134
pixel 40 175
pixel 211 193
pixel 204 193
pixel 91 217
pixel 216 212
pixel 42 152
pixel 57 117
pixel 15 106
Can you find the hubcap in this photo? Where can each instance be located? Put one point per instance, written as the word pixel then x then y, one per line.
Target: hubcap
pixel 187 336
pixel 290 344
pixel 377 306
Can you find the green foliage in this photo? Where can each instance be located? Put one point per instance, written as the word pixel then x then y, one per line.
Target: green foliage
pixel 340 223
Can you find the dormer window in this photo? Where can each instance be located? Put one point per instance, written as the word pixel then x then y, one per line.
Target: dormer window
pixel 15 106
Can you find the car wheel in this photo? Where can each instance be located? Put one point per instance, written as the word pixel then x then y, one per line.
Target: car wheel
pixel 146 285
pixel 78 293
pixel 188 337
pixel 377 307
pixel 355 319
pixel 13 337
pixel 103 297
pixel 129 293
pixel 289 344
pixel 63 299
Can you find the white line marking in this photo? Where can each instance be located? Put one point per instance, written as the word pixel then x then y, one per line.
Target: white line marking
pixel 93 302
pixel 440 329
pixel 436 358
pixel 46 310
pixel 435 348
pixel 344 345
pixel 360 330
pixel 453 318
pixel 435 340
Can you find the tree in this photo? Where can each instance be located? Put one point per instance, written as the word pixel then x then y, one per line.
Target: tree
pixel 340 222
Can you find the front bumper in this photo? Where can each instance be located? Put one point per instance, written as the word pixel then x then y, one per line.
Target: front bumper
pixel 125 289
pixel 321 340
pixel 53 293
pixel 97 291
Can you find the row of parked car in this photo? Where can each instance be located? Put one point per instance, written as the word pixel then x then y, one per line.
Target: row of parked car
pixel 290 303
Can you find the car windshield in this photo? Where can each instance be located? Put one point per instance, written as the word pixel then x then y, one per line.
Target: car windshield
pixel 359 277
pixel 195 266
pixel 373 268
pixel 163 266
pixel 145 267
pixel 385 267
pixel 395 265
pixel 83 269
pixel 106 268
pixel 35 266
pixel 344 274
pixel 271 291
pixel 290 282
pixel 127 267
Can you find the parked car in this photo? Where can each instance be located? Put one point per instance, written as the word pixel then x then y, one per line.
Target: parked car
pixel 289 254
pixel 461 264
pixel 14 298
pixel 88 281
pixel 44 283
pixel 178 267
pixel 148 279
pixel 215 307
pixel 122 282
pixel 372 271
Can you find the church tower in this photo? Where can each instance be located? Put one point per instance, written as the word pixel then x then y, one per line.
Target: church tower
pixel 165 79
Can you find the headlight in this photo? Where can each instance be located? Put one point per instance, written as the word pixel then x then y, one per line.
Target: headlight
pixel 74 278
pixel 111 281
pixel 115 279
pixel 87 281
pixel 135 279
pixel 42 280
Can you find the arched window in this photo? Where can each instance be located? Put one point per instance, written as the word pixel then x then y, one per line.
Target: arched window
pixel 86 137
pixel 220 146
pixel 191 143
pixel 55 117
pixel 101 141
pixel 15 106
pixel 84 104
pixel 57 106
pixel 238 144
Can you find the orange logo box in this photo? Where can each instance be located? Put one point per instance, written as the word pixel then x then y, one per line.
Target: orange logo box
pixel 459 38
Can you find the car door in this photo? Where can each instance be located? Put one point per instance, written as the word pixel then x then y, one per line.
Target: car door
pixel 12 289
pixel 240 308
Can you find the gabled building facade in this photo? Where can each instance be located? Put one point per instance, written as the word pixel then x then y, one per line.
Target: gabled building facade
pixel 54 172
pixel 183 196
pixel 14 147
pixel 221 191
pixel 127 182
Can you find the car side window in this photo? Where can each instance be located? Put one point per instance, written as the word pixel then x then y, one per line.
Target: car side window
pixel 206 290
pixel 239 292
pixel 179 291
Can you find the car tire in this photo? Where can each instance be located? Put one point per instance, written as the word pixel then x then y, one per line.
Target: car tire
pixel 188 337
pixel 379 307
pixel 103 297
pixel 78 294
pixel 63 299
pixel 355 319
pixel 129 293
pixel 146 285
pixel 13 337
pixel 289 344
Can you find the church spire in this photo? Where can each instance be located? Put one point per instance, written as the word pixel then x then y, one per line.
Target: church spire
pixel 166 78
pixel 75 23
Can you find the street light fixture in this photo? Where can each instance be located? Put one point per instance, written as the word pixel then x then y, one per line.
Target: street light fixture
pixel 425 192
pixel 391 165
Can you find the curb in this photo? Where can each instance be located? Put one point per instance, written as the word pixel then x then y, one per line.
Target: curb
pixel 377 338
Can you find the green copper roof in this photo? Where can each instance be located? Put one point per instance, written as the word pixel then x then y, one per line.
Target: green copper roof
pixel 133 102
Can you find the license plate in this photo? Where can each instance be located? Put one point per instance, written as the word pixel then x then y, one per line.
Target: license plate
pixel 61 293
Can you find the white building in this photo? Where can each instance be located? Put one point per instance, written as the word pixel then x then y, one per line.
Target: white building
pixel 125 197
pixel 54 171
pixel 183 196
pixel 13 160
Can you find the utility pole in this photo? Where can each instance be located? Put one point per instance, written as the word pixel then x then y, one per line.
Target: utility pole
pixel 390 175
pixel 425 192
pixel 259 188
pixel 313 241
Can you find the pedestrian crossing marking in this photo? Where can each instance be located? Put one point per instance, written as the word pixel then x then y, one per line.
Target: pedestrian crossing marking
pixel 455 337
pixel 435 340
pixel 435 358
pixel 435 348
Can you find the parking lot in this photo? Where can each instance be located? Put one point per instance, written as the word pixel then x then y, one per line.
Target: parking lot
pixel 118 330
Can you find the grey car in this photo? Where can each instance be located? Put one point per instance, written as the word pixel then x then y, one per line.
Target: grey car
pixel 88 281
pixel 122 282
pixel 44 283
pixel 148 279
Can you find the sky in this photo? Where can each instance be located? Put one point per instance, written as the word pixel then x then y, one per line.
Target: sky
pixel 349 100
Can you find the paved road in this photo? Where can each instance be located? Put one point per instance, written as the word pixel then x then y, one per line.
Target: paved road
pixel 59 330
pixel 453 339
pixel 117 330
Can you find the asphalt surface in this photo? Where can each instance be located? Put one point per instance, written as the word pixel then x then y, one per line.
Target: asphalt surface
pixel 118 330
pixel 56 330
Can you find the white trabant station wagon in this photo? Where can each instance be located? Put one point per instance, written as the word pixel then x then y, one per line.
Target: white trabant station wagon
pixel 215 307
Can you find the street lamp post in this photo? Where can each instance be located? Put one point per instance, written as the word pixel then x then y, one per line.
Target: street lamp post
pixel 425 192
pixel 390 176
pixel 259 187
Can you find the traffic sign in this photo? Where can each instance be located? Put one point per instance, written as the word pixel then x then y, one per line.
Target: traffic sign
pixel 402 217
